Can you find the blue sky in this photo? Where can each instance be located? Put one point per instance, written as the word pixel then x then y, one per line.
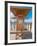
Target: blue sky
pixel 29 17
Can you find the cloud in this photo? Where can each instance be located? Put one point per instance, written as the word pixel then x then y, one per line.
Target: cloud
pixel 28 20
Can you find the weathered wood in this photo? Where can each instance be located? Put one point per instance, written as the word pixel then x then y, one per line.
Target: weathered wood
pixel 19 12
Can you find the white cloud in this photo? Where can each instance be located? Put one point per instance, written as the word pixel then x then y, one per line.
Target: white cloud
pixel 28 20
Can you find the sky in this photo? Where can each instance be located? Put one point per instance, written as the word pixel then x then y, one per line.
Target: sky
pixel 29 17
